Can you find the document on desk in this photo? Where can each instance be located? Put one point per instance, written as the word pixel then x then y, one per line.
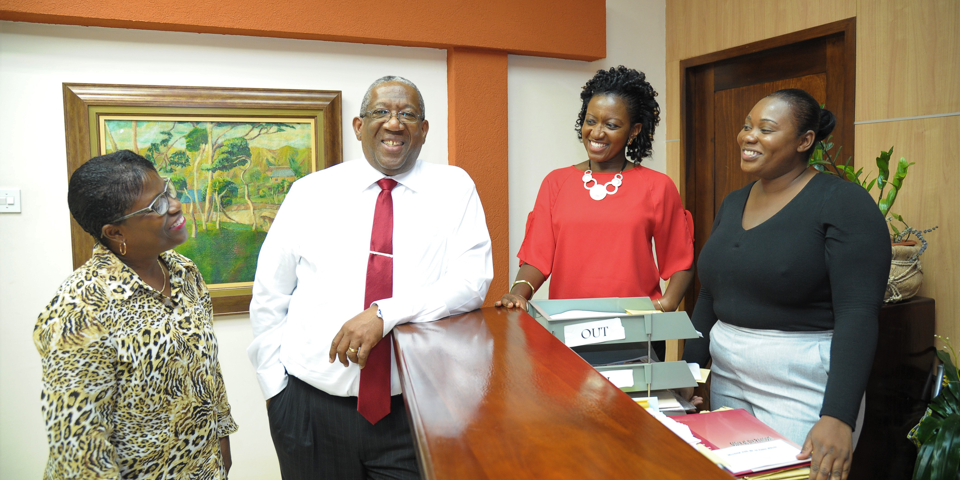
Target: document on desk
pixel 759 456
pixel 583 314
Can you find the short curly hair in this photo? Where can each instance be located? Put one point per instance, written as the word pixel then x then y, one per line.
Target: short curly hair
pixel 105 187
pixel 631 86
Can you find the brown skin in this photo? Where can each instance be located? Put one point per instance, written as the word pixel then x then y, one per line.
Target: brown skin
pixel 392 148
pixel 606 131
pixel 147 235
pixel 225 454
pixel 773 150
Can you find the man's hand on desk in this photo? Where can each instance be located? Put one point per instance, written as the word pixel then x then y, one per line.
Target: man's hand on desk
pixel 357 337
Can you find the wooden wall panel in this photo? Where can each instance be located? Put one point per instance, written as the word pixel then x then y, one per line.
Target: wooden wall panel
pixel 908 62
pixel 672 103
pixel 696 27
pixel 673 165
pixel 930 196
pixel 908 58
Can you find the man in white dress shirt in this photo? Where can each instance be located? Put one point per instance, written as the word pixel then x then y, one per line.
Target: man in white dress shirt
pixel 313 331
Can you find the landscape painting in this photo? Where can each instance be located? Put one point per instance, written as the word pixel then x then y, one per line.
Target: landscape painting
pixel 232 154
pixel 231 175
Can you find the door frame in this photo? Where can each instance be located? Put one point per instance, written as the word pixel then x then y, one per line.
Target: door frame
pixel 695 72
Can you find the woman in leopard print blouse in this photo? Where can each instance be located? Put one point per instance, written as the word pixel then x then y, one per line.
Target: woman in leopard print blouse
pixel 132 387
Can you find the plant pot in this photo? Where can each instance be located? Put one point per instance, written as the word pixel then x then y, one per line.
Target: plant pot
pixel 906 273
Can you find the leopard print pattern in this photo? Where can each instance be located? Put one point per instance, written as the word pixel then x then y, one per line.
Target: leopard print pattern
pixel 132 388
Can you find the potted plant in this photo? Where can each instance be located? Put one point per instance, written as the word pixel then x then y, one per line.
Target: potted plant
pixel 938 434
pixel 906 273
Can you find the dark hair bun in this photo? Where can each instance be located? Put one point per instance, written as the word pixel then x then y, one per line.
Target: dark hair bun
pixel 827 122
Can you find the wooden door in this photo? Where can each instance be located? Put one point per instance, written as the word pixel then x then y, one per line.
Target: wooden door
pixel 720 89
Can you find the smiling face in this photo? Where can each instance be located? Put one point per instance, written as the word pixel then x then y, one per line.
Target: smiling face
pixel 769 142
pixel 606 129
pixel 150 234
pixel 389 146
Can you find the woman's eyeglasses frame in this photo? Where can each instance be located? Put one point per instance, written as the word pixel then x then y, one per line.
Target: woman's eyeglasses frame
pixel 160 205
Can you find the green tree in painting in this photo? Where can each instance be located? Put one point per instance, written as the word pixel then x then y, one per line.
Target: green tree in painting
pixel 223 192
pixel 196 142
pixel 218 142
pixel 234 153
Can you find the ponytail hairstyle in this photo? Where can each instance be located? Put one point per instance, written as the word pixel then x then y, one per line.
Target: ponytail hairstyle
pixel 808 115
pixel 632 87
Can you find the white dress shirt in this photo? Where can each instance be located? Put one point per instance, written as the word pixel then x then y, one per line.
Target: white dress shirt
pixel 311 273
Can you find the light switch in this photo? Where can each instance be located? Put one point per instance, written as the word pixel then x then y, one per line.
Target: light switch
pixel 9 200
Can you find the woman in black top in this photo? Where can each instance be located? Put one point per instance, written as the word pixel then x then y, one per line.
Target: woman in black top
pixel 792 280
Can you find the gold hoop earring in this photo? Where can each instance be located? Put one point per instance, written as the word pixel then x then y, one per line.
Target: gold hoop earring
pixel 123 248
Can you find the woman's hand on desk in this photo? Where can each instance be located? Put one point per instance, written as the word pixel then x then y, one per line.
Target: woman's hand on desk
pixel 529 279
pixel 687 394
pixel 830 441
pixel 511 300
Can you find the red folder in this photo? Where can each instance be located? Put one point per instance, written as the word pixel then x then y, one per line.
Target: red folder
pixel 731 428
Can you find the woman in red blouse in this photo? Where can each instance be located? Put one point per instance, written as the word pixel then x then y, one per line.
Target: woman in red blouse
pixel 595 225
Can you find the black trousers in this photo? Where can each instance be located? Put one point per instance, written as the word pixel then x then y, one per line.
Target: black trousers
pixel 322 436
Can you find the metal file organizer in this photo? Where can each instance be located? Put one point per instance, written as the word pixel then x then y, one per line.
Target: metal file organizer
pixel 639 329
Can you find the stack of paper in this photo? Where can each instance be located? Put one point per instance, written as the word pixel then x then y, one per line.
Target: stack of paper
pixel 801 473
pixel 661 401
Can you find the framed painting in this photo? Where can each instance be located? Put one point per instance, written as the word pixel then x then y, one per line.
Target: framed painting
pixel 231 153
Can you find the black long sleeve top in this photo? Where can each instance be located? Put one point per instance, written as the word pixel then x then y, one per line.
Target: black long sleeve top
pixel 820 263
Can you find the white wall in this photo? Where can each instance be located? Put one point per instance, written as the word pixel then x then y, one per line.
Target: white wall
pixel 35 254
pixel 544 97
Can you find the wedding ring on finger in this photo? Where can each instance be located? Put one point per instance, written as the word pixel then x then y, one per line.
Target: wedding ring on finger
pixel 352 350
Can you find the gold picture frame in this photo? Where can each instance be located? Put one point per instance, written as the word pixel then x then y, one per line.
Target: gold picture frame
pixel 178 128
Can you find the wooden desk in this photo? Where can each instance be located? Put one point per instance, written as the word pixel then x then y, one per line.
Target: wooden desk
pixel 492 395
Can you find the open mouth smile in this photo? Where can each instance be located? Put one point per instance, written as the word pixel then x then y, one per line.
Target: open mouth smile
pixel 597 146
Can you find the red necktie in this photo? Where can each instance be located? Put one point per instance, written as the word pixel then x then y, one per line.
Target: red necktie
pixel 373 401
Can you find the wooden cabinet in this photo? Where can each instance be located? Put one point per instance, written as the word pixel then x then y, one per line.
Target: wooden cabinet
pixel 897 392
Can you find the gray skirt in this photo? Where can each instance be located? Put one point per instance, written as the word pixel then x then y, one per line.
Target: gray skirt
pixel 779 377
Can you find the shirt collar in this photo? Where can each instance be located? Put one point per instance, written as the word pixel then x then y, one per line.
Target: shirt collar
pixel 368 176
pixel 115 273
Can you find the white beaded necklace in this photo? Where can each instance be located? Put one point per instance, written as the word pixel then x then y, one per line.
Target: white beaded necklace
pixel 597 191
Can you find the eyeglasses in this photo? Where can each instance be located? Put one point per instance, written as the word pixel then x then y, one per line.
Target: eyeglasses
pixel 383 114
pixel 159 205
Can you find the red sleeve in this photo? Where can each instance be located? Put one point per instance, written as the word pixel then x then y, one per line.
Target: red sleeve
pixel 539 243
pixel 673 235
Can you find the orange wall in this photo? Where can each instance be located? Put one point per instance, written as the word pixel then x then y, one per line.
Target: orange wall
pixel 478 36
pixel 572 29
pixel 477 98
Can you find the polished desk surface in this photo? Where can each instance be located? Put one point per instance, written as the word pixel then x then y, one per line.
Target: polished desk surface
pixel 491 395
